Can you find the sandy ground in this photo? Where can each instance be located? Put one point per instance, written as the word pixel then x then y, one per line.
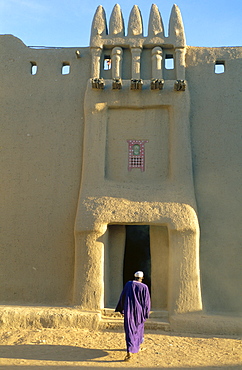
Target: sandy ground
pixel 78 348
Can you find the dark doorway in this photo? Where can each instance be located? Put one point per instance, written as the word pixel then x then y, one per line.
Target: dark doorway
pixel 137 253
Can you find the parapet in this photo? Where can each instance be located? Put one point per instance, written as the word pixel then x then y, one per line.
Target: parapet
pixel 100 36
pixel 108 46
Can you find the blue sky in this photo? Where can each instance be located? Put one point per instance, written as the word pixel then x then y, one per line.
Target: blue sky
pixel 68 22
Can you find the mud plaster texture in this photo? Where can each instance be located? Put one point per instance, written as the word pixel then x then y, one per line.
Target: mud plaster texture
pixel 48 121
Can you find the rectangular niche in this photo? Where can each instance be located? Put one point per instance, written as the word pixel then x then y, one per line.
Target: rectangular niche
pixel 148 124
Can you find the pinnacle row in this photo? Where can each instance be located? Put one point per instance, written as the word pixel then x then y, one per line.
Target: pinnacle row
pixel 176 35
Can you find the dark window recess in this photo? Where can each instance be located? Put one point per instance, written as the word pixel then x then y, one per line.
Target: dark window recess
pixel 107 62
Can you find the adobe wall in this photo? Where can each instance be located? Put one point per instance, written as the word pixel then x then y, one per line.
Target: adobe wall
pixel 216 144
pixel 41 156
pixel 41 161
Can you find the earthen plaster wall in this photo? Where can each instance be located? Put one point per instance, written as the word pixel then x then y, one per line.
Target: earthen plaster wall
pixel 42 119
pixel 41 156
pixel 216 131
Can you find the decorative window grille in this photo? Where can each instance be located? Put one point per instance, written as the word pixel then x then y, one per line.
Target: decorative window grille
pixel 137 154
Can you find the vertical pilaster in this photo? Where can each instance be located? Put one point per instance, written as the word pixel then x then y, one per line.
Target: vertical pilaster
pixel 116 55
pixel 184 274
pixel 180 63
pixel 157 56
pixel 96 57
pixel 89 271
pixel 136 53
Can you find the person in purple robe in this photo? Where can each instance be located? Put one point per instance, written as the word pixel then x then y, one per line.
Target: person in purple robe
pixel 134 305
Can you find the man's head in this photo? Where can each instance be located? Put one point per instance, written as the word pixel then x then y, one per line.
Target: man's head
pixel 139 275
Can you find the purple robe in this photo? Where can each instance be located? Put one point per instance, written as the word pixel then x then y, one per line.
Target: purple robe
pixel 134 303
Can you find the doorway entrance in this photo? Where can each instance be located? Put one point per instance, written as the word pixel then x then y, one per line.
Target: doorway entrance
pixel 137 253
pixel 129 248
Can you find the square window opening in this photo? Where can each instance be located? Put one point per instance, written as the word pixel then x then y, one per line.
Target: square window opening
pixel 169 61
pixel 219 67
pixel 66 69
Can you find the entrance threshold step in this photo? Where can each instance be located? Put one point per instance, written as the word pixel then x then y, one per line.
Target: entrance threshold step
pixel 157 324
pixel 117 324
pixel 158 320
pixel 154 314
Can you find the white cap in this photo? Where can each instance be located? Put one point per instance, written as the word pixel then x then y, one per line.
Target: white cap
pixel 139 274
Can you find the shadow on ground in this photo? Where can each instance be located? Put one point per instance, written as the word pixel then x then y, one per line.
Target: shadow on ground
pixel 95 359
pixel 50 352
pixel 58 367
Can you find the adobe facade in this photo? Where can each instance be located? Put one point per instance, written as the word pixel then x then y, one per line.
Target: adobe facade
pixel 120 156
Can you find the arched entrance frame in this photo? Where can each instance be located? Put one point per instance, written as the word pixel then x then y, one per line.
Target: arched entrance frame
pixel 184 277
